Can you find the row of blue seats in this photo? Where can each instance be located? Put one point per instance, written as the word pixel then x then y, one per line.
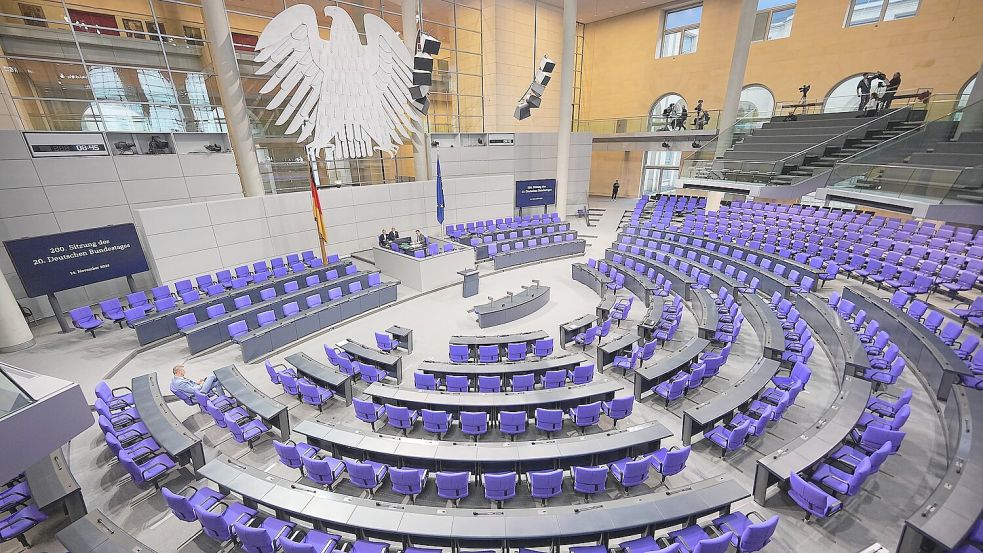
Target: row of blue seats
pixel 513 235
pixel 320 467
pixel 494 249
pixel 461 353
pixel 475 423
pixel 504 223
pixel 886 363
pixel 580 374
pixel 139 305
pixel 18 513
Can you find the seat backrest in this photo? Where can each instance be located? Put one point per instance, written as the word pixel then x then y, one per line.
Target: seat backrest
pixel 179 505
pixel 549 416
pixel 457 482
pixel 365 410
pixel 500 483
pixel 590 476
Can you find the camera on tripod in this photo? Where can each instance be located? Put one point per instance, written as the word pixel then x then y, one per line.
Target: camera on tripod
pixel 804 89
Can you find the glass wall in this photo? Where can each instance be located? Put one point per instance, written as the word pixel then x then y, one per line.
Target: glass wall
pixel 660 169
pixel 143 65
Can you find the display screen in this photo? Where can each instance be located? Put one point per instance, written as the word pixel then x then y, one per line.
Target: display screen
pixel 47 264
pixel 530 193
pixel 49 148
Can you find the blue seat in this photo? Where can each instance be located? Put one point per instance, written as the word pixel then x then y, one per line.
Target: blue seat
pixel 512 423
pixel 84 319
pixel 401 417
pixel 474 424
pixel 437 422
pixel 408 481
pixel 499 486
pixel 618 408
pixel 630 472
pixel 586 415
pixel 366 411
pixel 453 485
pixel 545 484
pixel 747 536
pixel 216 522
pixel 112 310
pixel 182 504
pixel 324 470
pixel 589 480
pixel 385 341
pixel 549 420
pixel 367 475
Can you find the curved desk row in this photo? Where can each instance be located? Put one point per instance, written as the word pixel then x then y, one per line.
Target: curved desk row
pixel 700 241
pixel 951 511
pixel 212 332
pixel 635 282
pixel 538 367
pixel 814 443
pixel 267 408
pixel 766 321
pixel 681 282
pixel 52 483
pixel 768 281
pixel 619 345
pixel 718 280
pixel 322 375
pixel 96 533
pixel 161 325
pixel 175 438
pixel 705 415
pixel 653 373
pixel 653 316
pixel 481 250
pixel 259 342
pixel 443 527
pixel 539 253
pixel 706 313
pixel 500 340
pixel 842 342
pixel 479 457
pixel 937 362
pixel 512 307
pixel 590 277
pixel 466 238
pixel 495 402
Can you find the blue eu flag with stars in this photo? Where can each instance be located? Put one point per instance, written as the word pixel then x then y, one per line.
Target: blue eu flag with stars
pixel 440 195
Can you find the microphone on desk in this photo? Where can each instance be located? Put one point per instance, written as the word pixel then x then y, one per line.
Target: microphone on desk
pixel 686 489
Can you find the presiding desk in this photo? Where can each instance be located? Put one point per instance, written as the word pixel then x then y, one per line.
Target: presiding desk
pixel 425 273
pixel 96 533
pixel 479 457
pixel 161 325
pixel 492 403
pixel 175 438
pixel 267 408
pixel 816 442
pixel 705 415
pixel 653 373
pixel 52 484
pixel 512 307
pixel 949 514
pixel 322 375
pixel 500 340
pixel 512 258
pixel 767 323
pixel 392 364
pixel 259 342
pixel 455 528
pixel 537 367
pixel 937 362
pixel 590 277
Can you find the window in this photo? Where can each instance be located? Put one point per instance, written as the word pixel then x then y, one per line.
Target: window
pixel 844 96
pixel 660 169
pixel 756 102
pixel 863 12
pixel 774 19
pixel 681 31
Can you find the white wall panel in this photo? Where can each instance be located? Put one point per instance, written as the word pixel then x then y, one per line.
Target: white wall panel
pixel 137 167
pixel 241 231
pixel 75 170
pixel 231 211
pixel 97 216
pixel 189 265
pixel 16 202
pixel 18 173
pixel 214 185
pixel 245 252
pixel 207 164
pixel 155 190
pixel 83 196
pixel 181 241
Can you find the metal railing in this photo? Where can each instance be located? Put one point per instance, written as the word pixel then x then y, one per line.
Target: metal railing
pixel 883 169
pixel 847 103
pixel 647 124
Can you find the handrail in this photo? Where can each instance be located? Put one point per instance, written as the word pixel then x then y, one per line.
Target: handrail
pixel 854 129
pixel 905 94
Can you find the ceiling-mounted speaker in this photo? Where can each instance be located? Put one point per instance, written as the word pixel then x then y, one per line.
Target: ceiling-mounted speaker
pixel 429 44
pixel 522 111
pixel 423 62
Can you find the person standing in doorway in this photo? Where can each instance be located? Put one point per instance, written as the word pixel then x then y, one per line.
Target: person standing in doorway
pixel 614 190
pixel 863 91
pixel 892 88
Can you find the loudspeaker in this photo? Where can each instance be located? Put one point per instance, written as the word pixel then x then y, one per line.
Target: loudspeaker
pixel 422 62
pixel 534 101
pixel 429 44
pixel 547 65
pixel 418 92
pixel 422 104
pixel 422 78
pixel 537 89
pixel 543 78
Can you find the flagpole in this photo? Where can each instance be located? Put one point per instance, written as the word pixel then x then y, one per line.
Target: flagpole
pixel 316 176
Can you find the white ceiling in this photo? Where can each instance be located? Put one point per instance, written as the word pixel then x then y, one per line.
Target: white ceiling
pixel 589 11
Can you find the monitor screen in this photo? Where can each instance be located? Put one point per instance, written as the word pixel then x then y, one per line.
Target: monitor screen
pixel 530 193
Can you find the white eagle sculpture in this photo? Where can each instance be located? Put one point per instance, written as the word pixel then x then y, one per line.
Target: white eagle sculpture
pixel 339 92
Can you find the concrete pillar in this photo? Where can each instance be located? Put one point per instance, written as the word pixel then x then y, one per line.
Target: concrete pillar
pixel 566 105
pixel 972 119
pixel 233 99
pixel 421 142
pixel 14 332
pixel 735 79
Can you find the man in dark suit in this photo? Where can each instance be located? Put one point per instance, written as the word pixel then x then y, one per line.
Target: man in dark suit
pixel 392 234
pixel 382 238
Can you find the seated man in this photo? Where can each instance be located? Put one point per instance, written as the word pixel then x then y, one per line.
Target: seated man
pixel 189 387
pixel 383 239
pixel 420 238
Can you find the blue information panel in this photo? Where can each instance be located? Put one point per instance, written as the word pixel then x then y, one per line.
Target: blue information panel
pixel 530 193
pixel 47 264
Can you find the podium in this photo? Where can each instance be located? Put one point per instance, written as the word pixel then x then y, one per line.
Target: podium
pixel 470 284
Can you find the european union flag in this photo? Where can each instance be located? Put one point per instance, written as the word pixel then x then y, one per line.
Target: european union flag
pixel 440 195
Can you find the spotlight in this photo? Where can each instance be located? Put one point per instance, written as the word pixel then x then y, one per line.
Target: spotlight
pixel 157 145
pixel 665 145
pixel 696 144
pixel 214 148
pixel 125 148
